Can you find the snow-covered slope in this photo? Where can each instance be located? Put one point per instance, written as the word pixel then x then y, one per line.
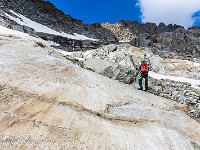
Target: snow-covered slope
pixel 24 21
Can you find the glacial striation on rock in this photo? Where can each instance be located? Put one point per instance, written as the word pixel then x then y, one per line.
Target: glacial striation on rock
pixel 62 82
pixel 47 102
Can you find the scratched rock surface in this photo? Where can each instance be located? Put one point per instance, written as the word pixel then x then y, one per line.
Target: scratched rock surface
pixel 47 102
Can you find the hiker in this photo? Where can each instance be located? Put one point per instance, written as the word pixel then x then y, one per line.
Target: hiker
pixel 143 68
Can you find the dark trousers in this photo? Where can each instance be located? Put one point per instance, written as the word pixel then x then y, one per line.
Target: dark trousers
pixel 145 76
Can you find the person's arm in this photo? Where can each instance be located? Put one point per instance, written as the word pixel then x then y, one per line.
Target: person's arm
pixel 147 68
pixel 139 68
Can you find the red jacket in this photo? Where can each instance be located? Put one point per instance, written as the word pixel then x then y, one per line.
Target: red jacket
pixel 143 68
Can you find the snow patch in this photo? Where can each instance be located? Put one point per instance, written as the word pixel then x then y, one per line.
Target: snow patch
pixel 194 83
pixel 197 64
pixel 24 21
pixel 65 53
pixel 6 31
pixel 124 41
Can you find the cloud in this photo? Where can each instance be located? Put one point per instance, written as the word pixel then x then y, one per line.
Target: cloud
pixel 169 11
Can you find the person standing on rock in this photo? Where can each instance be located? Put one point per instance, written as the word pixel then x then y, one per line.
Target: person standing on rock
pixel 143 69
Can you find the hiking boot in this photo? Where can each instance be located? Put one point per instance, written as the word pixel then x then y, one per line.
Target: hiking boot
pixel 140 89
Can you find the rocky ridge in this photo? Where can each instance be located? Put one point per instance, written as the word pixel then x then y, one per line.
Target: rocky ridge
pixel 184 42
pixel 45 13
pixel 127 30
pixel 178 91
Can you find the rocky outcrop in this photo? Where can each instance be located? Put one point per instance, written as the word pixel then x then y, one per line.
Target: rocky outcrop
pixel 111 70
pixel 129 56
pixel 127 30
pixel 187 42
pixel 181 92
pixel 119 62
pixel 114 61
pixel 181 41
pixel 71 45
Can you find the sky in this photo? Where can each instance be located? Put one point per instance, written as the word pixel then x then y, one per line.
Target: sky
pixel 181 12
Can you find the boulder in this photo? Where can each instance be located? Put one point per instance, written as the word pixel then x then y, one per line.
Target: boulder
pixel 134 51
pixel 111 70
pixel 129 62
pixel 89 54
pixel 116 56
pixel 120 73
pixel 97 65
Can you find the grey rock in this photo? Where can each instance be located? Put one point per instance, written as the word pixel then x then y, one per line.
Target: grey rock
pixel 184 41
pixel 181 98
pixel 157 88
pixel 111 70
pixel 131 30
pixel 122 74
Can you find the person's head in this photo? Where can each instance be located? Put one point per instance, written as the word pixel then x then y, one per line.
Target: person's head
pixel 142 61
